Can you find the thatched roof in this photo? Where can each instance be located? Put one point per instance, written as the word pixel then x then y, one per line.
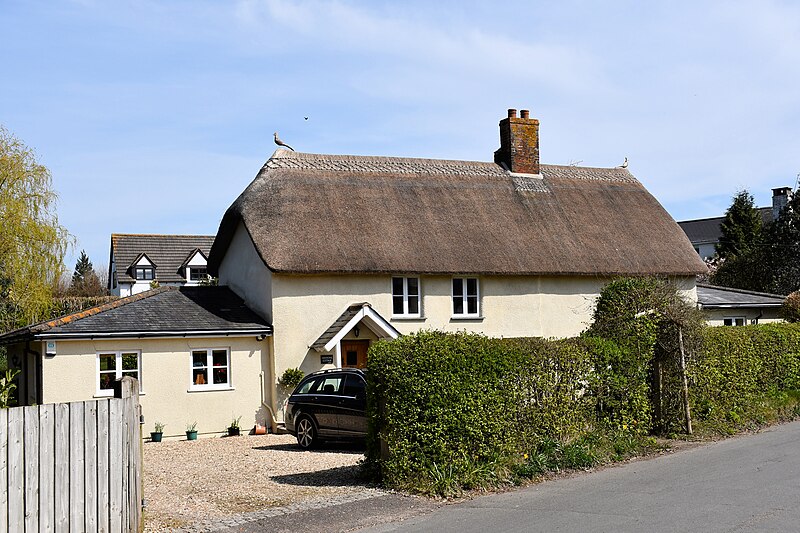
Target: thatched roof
pixel 310 213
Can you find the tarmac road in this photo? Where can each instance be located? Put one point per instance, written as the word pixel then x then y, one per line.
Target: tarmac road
pixel 746 483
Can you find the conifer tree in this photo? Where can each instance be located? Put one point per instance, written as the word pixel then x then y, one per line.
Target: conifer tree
pixel 82 268
pixel 741 228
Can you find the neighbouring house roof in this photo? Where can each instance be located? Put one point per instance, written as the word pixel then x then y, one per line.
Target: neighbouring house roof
pixel 167 252
pixel 311 213
pixel 713 297
pixel 162 312
pixel 348 319
pixel 709 230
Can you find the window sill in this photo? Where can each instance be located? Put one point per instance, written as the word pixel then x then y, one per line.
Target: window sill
pixel 211 389
pixel 98 396
pixel 466 318
pixel 408 318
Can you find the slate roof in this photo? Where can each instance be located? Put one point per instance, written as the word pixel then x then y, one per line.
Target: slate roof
pixel 162 312
pixel 168 252
pixel 313 213
pixel 708 230
pixel 337 325
pixel 710 297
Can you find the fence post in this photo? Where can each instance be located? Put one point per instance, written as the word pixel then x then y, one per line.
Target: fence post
pixel 685 387
pixel 127 388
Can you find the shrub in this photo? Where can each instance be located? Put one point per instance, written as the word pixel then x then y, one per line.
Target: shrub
pixel 7 388
pixel 745 376
pixel 452 411
pixel 291 378
pixel 790 309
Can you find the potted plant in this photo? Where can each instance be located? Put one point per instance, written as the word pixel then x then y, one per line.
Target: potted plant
pixel 291 378
pixel 155 436
pixel 233 429
pixel 191 431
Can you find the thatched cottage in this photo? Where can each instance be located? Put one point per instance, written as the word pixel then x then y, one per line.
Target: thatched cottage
pixel 329 253
pixel 337 251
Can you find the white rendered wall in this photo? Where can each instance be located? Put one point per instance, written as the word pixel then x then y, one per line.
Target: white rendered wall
pixel 245 273
pixel 510 306
pixel 71 375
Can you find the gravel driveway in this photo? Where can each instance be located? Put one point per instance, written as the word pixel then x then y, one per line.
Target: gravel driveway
pixel 187 483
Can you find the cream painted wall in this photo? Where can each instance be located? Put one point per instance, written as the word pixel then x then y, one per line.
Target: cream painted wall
pixel 71 375
pixel 511 306
pixel 245 273
pixel 716 317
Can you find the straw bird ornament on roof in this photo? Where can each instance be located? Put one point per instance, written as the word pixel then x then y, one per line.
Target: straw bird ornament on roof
pixel 279 142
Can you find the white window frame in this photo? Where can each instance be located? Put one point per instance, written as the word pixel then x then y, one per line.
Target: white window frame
pixel 405 313
pixel 144 269
pixel 193 387
pixel 117 371
pixel 734 319
pixel 190 269
pixel 464 297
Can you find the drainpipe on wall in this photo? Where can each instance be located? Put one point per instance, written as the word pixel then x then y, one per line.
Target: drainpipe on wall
pixel 273 423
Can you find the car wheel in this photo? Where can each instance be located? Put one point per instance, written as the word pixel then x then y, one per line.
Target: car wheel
pixel 306 433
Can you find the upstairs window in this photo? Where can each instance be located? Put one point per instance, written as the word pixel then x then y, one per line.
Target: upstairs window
pixel 405 297
pixel 198 273
pixel 465 298
pixel 145 273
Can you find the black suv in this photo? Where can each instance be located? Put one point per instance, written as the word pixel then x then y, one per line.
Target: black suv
pixel 329 404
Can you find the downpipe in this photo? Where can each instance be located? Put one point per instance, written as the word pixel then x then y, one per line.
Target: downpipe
pixel 273 422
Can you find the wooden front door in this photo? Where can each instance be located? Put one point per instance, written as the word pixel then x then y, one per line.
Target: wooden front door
pixel 354 354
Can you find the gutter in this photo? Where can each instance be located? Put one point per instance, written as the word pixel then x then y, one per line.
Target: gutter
pixel 740 306
pixel 152 334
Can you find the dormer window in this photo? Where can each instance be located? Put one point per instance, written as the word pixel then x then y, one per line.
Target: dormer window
pixel 197 273
pixel 145 273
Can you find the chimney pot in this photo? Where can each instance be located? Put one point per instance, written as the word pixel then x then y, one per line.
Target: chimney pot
pixel 781 196
pixel 525 114
pixel 512 113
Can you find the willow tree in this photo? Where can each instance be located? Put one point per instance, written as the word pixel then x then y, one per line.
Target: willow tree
pixel 32 242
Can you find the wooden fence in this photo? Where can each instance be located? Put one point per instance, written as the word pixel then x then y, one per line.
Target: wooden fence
pixel 72 466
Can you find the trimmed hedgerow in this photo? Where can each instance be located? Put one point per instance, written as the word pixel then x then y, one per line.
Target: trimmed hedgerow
pixel 745 375
pixel 439 404
pixel 452 411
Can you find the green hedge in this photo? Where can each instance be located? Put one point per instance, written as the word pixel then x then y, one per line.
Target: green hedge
pixel 457 410
pixel 743 374
pixel 450 411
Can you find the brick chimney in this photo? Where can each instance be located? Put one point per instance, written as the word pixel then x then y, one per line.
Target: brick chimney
pixel 780 197
pixel 519 143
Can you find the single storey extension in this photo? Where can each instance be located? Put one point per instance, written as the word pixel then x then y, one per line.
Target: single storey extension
pixel 198 353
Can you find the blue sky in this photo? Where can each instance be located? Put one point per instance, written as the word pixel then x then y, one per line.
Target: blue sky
pixel 154 116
